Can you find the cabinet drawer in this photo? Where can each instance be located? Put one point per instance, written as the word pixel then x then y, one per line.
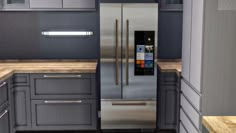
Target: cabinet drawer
pixel 3 93
pixel 83 4
pixel 44 4
pixel 187 123
pixel 187 107
pixel 21 79
pixel 191 95
pixel 64 114
pixel 60 86
pixel 4 121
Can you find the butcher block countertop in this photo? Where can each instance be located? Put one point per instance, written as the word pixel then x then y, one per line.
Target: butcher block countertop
pixel 9 67
pixel 220 124
pixel 170 66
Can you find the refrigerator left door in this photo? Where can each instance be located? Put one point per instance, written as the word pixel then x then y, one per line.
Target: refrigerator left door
pixel 110 24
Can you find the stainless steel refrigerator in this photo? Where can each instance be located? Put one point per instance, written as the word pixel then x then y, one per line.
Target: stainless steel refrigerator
pixel 128 68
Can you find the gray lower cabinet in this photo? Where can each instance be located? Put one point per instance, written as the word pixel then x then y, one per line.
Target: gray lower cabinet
pixel 22 108
pixel 3 93
pixel 168 100
pixel 4 120
pixel 63 86
pixel 64 114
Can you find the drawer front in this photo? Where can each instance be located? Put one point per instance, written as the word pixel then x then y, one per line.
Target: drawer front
pixel 83 4
pixel 21 80
pixel 182 129
pixel 187 123
pixel 59 86
pixel 64 115
pixel 190 111
pixel 44 4
pixel 3 93
pixel 191 95
pixel 4 121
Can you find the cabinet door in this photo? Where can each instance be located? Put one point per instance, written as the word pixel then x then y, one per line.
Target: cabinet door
pixel 196 43
pixel 167 107
pixel 64 115
pixel 186 42
pixel 22 108
pixel 4 121
pixel 3 93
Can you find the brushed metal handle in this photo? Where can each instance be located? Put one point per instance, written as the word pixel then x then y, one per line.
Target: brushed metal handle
pixel 3 114
pixel 62 102
pixel 127 52
pixel 3 84
pixel 117 52
pixel 129 104
pixel 62 76
pixel 67 33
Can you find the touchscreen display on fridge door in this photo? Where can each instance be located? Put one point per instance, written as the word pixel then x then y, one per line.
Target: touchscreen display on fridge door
pixel 144 52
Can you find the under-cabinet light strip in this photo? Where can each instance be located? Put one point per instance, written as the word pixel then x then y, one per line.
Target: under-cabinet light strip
pixel 67 33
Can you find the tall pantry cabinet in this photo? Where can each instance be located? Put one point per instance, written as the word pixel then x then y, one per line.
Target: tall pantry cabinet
pixel 208 57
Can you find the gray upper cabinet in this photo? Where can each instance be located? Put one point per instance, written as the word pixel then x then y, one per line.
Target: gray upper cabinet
pixel 48 5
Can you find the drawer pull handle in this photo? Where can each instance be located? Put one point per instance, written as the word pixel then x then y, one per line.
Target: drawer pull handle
pixel 54 102
pixel 62 76
pixel 129 103
pixel 2 84
pixel 3 114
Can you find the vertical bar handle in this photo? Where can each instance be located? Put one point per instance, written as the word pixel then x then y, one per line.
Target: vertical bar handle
pixel 127 52
pixel 117 52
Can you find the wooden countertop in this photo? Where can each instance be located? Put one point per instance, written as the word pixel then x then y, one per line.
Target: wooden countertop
pixel 9 67
pixel 170 66
pixel 220 124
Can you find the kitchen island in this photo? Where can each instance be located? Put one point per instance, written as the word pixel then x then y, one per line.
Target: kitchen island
pixel 219 124
pixel 48 95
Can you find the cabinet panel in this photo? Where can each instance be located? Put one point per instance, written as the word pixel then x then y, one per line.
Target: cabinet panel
pixel 79 4
pixel 187 107
pixel 22 108
pixel 190 94
pixel 187 123
pixel 186 41
pixel 21 79
pixel 3 93
pixel 64 114
pixel 69 86
pixel 4 121
pixel 196 43
pixel 45 4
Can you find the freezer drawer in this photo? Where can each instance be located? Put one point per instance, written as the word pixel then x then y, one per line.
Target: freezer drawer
pixel 64 115
pixel 59 86
pixel 3 93
pixel 122 114
pixel 44 4
pixel 79 4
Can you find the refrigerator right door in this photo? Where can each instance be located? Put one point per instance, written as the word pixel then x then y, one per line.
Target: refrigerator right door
pixel 139 67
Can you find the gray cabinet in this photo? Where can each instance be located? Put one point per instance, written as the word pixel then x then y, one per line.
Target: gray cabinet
pixel 62 86
pixel 4 121
pixel 171 5
pixel 168 100
pixel 3 93
pixel 22 108
pixel 64 114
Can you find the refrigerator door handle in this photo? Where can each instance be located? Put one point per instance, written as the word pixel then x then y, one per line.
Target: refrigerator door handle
pixel 127 52
pixel 117 52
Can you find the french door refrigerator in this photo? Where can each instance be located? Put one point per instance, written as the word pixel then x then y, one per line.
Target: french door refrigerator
pixel 128 68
